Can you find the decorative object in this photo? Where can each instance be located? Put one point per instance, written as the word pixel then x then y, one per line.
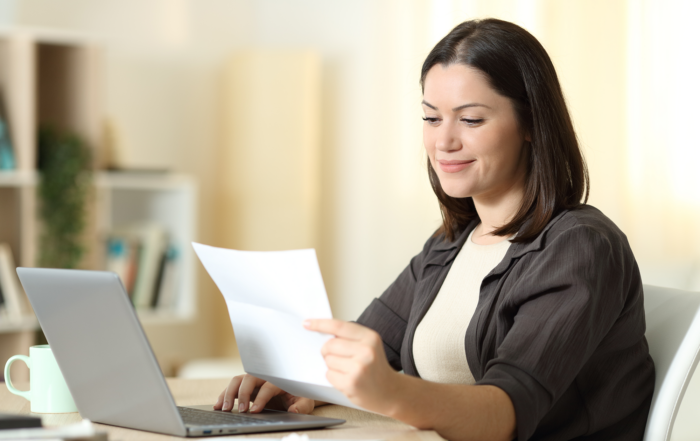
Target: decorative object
pixel 64 165
pixel 7 156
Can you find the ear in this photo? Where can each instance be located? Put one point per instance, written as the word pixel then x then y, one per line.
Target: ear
pixel 528 138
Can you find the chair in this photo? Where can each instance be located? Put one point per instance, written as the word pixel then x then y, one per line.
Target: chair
pixel 673 334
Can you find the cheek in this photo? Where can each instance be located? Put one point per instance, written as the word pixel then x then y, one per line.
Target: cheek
pixel 426 140
pixel 429 144
pixel 504 145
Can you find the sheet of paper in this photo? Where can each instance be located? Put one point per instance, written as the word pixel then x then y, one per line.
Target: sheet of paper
pixel 269 294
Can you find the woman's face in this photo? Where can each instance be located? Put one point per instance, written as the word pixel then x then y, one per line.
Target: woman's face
pixel 472 135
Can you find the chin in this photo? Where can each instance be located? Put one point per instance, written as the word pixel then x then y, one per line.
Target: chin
pixel 456 186
pixel 458 193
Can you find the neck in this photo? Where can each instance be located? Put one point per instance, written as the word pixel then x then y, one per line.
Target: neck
pixel 495 211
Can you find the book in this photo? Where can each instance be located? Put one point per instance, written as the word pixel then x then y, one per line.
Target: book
pixel 136 253
pixel 159 279
pixel 7 154
pixel 117 257
pixel 122 256
pixel 153 240
pixel 166 298
pixel 13 294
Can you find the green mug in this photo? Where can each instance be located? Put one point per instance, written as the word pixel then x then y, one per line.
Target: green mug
pixel 48 392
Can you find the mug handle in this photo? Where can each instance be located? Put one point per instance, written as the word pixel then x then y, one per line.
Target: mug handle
pixel 8 382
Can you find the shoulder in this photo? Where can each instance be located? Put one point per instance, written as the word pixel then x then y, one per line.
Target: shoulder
pixel 581 249
pixel 585 216
pixel 584 241
pixel 584 226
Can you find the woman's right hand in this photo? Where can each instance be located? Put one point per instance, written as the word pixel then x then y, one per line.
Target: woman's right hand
pixel 247 387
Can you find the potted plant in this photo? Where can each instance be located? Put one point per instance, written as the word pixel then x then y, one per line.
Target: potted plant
pixel 64 165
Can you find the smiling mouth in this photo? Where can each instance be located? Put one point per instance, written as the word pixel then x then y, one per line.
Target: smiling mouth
pixel 454 166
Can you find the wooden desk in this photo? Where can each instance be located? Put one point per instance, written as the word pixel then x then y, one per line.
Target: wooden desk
pixel 360 425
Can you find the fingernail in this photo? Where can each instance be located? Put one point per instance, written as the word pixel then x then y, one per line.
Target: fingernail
pixel 241 407
pixel 294 411
pixel 307 323
pixel 254 407
pixel 226 406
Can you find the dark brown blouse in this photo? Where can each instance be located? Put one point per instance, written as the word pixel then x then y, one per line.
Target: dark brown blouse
pixel 559 327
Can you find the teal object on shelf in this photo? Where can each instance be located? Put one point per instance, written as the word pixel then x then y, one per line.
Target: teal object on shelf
pixel 7 156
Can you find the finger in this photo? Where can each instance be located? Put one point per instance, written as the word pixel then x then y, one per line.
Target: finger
pixel 338 380
pixel 220 401
pixel 265 394
pixel 338 364
pixel 340 347
pixel 222 396
pixel 302 405
pixel 248 385
pixel 339 328
pixel 231 393
pixel 288 400
pixel 366 354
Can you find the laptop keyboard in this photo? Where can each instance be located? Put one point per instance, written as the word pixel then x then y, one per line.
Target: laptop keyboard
pixel 197 417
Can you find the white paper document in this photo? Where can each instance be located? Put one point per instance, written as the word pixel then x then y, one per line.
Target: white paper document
pixel 269 294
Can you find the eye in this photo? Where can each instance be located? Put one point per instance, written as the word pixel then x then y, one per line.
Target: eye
pixel 472 122
pixel 431 120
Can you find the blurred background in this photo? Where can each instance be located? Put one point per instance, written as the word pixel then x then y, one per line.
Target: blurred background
pixel 278 124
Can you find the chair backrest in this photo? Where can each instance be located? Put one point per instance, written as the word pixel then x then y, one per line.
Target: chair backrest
pixel 673 334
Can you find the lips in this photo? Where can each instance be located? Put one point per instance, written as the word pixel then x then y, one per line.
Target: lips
pixel 454 166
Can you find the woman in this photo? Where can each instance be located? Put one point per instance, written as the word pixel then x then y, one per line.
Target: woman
pixel 523 315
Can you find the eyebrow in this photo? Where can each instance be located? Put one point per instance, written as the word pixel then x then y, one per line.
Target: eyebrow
pixel 458 108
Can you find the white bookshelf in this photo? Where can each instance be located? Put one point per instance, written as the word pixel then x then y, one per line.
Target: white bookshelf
pixel 166 199
pixel 53 77
pixel 120 199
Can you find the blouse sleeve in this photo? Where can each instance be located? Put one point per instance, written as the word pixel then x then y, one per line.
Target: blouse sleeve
pixel 572 293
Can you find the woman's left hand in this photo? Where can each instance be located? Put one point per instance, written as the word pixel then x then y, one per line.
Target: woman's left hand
pixel 357 364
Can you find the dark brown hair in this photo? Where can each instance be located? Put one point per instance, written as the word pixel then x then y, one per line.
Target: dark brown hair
pixel 517 67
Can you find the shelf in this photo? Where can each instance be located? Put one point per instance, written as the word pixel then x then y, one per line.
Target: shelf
pixel 28 323
pixel 16 178
pixel 116 180
pixel 51 36
pixel 141 180
pixel 155 317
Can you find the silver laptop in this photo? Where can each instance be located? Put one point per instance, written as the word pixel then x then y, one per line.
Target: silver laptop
pixel 110 368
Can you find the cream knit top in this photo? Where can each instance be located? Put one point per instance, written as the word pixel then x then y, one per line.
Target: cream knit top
pixel 438 344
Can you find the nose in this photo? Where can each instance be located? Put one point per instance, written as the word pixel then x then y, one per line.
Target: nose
pixel 447 139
